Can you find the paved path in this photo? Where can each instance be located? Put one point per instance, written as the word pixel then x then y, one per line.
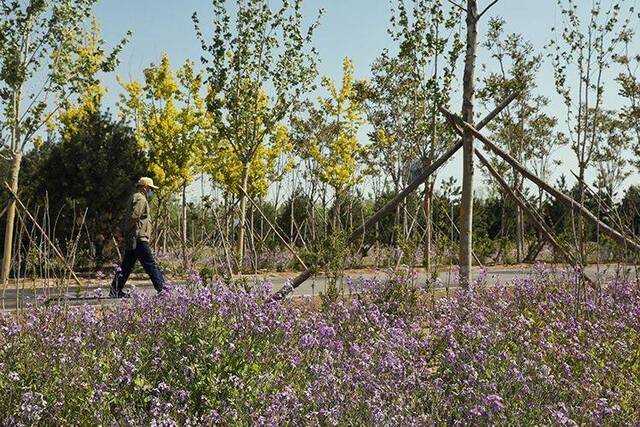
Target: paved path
pixel 13 298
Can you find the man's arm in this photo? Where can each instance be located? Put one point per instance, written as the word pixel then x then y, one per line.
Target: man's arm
pixel 138 210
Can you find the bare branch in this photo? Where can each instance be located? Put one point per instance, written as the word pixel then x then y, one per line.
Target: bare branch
pixel 486 9
pixel 457 5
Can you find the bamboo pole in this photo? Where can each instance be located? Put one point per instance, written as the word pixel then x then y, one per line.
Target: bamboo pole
pixel 560 196
pixel 44 234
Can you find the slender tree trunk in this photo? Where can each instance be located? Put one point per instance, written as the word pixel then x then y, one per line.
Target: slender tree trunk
pixel 348 219
pixel 313 220
pixel 337 212
pixel 428 200
pixel 428 213
pixel 167 222
pixel 204 219
pixel 520 252
pixel 183 237
pixel 519 243
pixel 17 145
pixel 325 224
pixel 243 215
pixel 11 216
pixel 157 230
pixel 579 220
pixel 292 206
pixel 405 220
pixel 503 227
pixel 466 208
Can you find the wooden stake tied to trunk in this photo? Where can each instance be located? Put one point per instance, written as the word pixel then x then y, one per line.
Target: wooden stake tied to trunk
pixel 413 185
pixel 560 196
pixel 538 221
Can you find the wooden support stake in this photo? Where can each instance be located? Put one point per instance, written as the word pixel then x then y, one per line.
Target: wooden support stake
pixel 560 196
pixel 44 234
pixel 602 202
pixel 417 181
pixel 255 205
pixel 538 221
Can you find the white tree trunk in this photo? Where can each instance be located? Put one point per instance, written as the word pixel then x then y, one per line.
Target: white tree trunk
pixel 466 209
pixel 183 237
pixel 243 216
pixel 428 213
pixel 11 216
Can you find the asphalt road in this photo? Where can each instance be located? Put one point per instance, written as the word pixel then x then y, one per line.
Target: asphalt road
pixel 12 298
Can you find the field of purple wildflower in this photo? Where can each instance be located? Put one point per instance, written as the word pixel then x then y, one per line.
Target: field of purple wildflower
pixel 538 351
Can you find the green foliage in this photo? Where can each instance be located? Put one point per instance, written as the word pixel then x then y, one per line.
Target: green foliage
pixel 171 122
pixel 44 54
pixel 95 168
pixel 523 129
pixel 401 98
pixel 581 56
pixel 629 82
pixel 330 136
pixel 259 48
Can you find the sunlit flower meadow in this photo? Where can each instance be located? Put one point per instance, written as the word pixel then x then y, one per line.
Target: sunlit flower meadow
pixel 540 350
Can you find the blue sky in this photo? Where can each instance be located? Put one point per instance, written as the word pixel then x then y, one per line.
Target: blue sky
pixel 354 28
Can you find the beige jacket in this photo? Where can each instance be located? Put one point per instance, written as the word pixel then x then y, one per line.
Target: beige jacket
pixel 138 220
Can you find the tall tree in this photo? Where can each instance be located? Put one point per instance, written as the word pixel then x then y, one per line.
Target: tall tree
pixel 468 101
pixel 44 59
pixel 93 165
pixel 522 129
pixel 173 126
pixel 610 156
pixel 256 49
pixel 629 81
pixel 330 136
pixel 581 56
pixel 404 93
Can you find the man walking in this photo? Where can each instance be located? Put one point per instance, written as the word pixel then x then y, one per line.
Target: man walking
pixel 137 232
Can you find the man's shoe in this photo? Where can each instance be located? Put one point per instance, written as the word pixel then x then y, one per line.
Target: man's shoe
pixel 119 294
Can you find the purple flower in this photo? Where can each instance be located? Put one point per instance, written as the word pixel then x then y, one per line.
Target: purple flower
pixel 33 406
pixel 494 401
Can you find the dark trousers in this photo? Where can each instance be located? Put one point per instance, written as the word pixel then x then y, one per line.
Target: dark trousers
pixel 143 253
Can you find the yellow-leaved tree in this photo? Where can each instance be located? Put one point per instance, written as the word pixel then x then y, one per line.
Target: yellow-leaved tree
pixel 228 165
pixel 329 135
pixel 261 48
pixel 172 124
pixel 42 57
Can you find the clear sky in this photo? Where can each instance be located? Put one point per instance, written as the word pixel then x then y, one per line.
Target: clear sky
pixel 354 28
